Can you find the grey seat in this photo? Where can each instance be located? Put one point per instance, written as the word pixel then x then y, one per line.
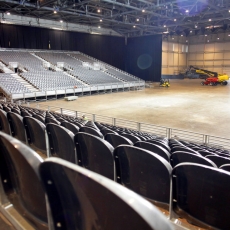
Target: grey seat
pixel 144 172
pixel 61 142
pixel 81 199
pixel 201 195
pixel 95 154
pixel 4 124
pixel 22 184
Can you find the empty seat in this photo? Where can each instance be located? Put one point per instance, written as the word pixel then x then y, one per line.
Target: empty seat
pixel 61 142
pixel 17 126
pixel 73 128
pixel 154 148
pixel 144 172
pixel 116 140
pixel 7 109
pixel 104 131
pixel 39 117
pixel 92 131
pixel 82 199
pixel 182 157
pixel 183 149
pixel 52 120
pixel 225 167
pixel 160 143
pixel 95 154
pixel 4 124
pixel 36 134
pixel 201 195
pixel 218 160
pixel 22 184
pixel 25 113
pixel 131 137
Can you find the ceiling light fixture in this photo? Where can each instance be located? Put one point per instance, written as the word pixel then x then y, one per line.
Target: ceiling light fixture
pixel 61 21
pixel 195 26
pixel 190 31
pixel 137 19
pixel 143 10
pixel 100 20
pixel 8 13
pixel 164 25
pixel 218 38
pixel 99 27
pixel 55 11
pixel 174 20
pixel 208 41
pixel 210 19
pixel 182 35
pixel 134 26
pixel 186 11
pixel 98 10
pixel 205 35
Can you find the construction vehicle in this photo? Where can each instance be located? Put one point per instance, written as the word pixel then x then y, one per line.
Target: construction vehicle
pixel 211 78
pixel 164 82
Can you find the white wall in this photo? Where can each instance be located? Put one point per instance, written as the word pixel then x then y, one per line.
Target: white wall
pixel 174 56
pixel 209 52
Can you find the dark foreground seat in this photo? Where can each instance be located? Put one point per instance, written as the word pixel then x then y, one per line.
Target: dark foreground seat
pixel 73 128
pixel 218 160
pixel 201 195
pixel 160 143
pixel 154 148
pixel 92 131
pixel 225 167
pixel 144 172
pixel 61 142
pixel 95 154
pixel 22 186
pixel 36 134
pixel 81 199
pixel 116 140
pixel 182 157
pixel 4 124
pixel 17 126
pixel 131 137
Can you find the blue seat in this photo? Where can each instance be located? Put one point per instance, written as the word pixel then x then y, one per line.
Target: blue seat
pixel 81 199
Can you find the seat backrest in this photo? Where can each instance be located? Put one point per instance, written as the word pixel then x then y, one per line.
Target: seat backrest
pixel 4 124
pixel 104 131
pixel 17 126
pixel 154 148
pixel 7 109
pixel 81 199
pixel 205 153
pixel 160 143
pixel 16 111
pixel 22 185
pixel 201 195
pixel 182 157
pixel 225 167
pixel 73 128
pixel 39 117
pixel 25 113
pixel 116 140
pixel 183 149
pixel 92 131
pixel 95 154
pixel 35 131
pixel 61 142
pixel 52 120
pixel 218 160
pixel 131 137
pixel 144 172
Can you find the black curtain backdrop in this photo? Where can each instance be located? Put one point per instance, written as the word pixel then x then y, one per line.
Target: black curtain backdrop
pixel 143 57
pixel 109 49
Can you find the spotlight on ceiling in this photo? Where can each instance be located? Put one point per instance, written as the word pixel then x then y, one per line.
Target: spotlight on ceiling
pixel 210 19
pixel 190 31
pixel 208 41
pixel 137 19
pixel 61 21
pixel 195 26
pixel 186 11
pixel 55 11
pixel 134 26
pixel 172 38
pixel 143 10
pixel 98 10
pixel 174 20
pixel 8 13
pixel 182 35
pixel 205 35
pixel 99 27
pixel 218 38
pixel 100 20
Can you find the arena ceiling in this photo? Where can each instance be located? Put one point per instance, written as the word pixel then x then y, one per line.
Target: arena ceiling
pixel 130 17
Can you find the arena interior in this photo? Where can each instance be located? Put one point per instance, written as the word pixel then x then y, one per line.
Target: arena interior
pixel 114 114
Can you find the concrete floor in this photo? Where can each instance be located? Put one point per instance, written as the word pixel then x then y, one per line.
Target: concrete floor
pixel 185 105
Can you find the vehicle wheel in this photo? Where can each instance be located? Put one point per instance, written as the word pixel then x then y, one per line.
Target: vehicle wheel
pixel 214 83
pixel 202 83
pixel 224 83
pixel 211 83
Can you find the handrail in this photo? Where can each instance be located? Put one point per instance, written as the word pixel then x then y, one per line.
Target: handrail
pixel 147 127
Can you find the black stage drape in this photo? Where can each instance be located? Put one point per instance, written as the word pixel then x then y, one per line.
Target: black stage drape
pixel 140 57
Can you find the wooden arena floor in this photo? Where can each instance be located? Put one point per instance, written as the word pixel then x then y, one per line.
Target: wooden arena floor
pixel 184 105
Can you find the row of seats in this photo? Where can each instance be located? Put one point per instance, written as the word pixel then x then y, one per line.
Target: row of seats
pixel 11 85
pixel 118 156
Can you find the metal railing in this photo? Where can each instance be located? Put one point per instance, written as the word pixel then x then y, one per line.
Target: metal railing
pixel 199 138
